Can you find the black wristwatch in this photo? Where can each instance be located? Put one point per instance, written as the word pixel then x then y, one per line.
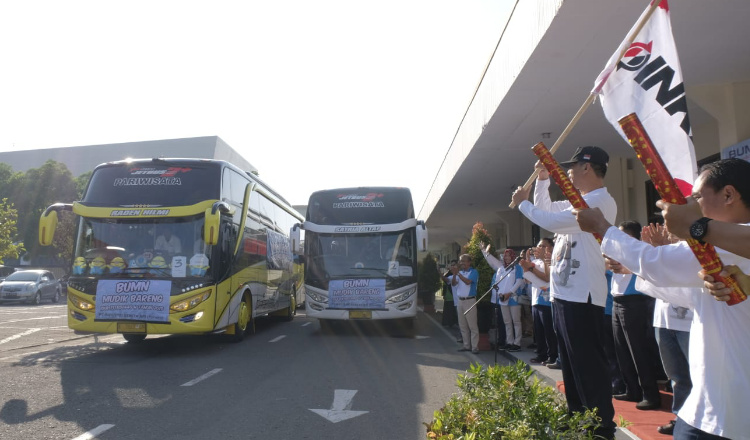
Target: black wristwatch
pixel 699 229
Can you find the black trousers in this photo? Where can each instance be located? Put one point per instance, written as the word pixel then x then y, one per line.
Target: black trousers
pixel 544 332
pixel 635 345
pixel 450 317
pixel 584 365
pixel 499 326
pixel 618 384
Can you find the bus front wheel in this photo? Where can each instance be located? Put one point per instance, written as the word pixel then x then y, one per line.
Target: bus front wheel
pixel 245 322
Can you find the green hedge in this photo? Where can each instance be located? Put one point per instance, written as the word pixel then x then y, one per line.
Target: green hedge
pixel 506 402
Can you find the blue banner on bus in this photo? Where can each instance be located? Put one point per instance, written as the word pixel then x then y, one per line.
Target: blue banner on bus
pixel 133 300
pixel 363 293
pixel 278 251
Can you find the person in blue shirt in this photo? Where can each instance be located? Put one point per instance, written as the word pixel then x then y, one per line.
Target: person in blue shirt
pixel 544 332
pixel 464 281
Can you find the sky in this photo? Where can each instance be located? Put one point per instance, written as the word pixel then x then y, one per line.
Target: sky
pixel 315 94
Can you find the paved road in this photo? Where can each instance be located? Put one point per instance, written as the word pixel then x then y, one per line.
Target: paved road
pixel 288 381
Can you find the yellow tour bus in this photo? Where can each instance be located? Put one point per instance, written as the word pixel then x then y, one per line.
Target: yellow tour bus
pixel 178 246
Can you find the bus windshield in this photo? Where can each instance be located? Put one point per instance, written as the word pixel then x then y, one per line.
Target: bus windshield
pixel 384 255
pixel 166 247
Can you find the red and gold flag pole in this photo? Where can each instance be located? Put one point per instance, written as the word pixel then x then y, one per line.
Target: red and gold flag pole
pixel 561 179
pixel 668 190
pixel 592 96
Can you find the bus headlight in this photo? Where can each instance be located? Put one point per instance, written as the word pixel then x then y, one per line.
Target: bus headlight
pixel 189 303
pixel 81 303
pixel 403 296
pixel 316 296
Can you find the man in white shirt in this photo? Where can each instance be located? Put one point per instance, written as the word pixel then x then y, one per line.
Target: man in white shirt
pixel 719 347
pixel 578 286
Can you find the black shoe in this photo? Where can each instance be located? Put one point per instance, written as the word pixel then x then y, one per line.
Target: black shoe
pixel 514 348
pixel 531 346
pixel 464 349
pixel 627 397
pixel 667 429
pixel 537 360
pixel 502 347
pixel 554 365
pixel 618 390
pixel 646 405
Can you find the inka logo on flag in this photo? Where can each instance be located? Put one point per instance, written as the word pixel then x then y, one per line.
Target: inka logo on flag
pixel 672 99
pixel 636 56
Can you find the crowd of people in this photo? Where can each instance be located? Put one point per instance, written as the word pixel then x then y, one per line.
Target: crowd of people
pixel 618 309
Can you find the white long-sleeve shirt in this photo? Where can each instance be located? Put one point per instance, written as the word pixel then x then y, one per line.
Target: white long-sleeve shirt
pixel 719 334
pixel 537 285
pixel 577 263
pixel 509 285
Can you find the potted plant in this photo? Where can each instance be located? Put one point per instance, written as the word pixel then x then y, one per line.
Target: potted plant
pixel 480 235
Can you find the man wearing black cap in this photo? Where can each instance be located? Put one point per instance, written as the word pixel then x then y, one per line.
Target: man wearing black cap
pixel 578 286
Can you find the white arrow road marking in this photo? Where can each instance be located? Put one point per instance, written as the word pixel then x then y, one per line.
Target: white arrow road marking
pixel 94 432
pixel 421 337
pixel 20 335
pixel 202 377
pixel 306 324
pixel 278 338
pixel 342 402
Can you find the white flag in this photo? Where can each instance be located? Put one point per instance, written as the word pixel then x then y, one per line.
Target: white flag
pixel 648 82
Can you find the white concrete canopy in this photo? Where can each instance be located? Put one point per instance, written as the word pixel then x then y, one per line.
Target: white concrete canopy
pixel 541 73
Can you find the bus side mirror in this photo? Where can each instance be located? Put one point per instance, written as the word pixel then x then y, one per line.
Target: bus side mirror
pixel 421 236
pixel 294 237
pixel 47 226
pixel 211 226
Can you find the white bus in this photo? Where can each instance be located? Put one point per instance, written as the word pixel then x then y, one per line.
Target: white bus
pixel 360 254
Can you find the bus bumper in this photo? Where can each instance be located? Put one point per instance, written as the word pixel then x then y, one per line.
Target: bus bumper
pixel 400 310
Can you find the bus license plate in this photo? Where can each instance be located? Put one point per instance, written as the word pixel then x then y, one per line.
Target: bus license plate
pixel 131 327
pixel 360 314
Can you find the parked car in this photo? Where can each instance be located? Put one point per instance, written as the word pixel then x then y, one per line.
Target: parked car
pixel 33 286
pixel 5 271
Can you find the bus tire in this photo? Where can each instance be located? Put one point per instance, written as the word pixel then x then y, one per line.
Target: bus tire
pixel 134 338
pixel 327 326
pixel 245 323
pixel 408 327
pixel 292 310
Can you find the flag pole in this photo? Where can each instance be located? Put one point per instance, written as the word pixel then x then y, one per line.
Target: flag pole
pixel 592 96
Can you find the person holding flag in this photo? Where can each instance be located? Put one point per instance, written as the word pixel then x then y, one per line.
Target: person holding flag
pixel 719 350
pixel 578 286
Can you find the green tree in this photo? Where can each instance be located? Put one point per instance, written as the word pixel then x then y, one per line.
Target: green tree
pixel 81 182
pixel 8 231
pixel 31 193
pixel 480 235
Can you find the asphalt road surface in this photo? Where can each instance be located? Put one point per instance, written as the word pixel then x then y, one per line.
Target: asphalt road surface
pixel 290 380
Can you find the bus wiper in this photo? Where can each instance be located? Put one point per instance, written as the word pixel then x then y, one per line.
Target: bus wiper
pixel 144 270
pixel 377 269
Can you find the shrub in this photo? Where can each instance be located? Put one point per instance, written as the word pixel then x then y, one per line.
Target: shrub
pixel 505 402
pixel 480 235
